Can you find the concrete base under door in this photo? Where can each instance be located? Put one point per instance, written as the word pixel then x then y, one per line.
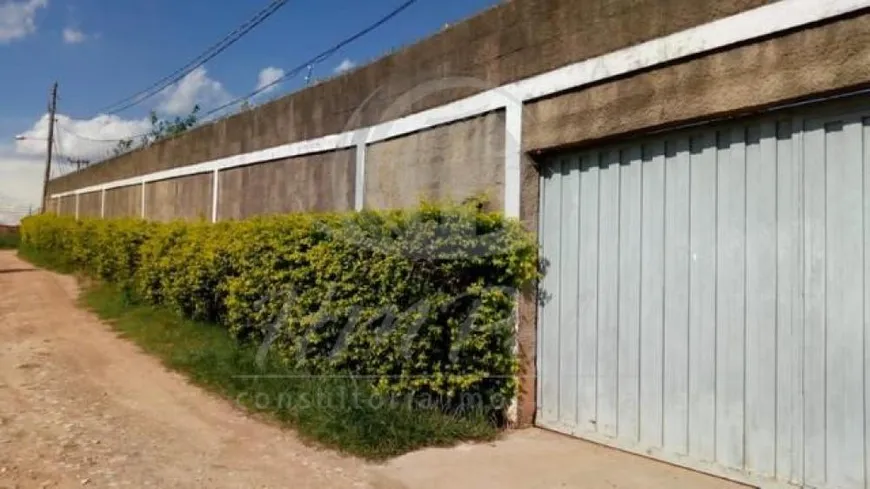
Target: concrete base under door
pixel 537 459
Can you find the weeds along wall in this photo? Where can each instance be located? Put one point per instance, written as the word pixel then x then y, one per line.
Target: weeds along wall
pixel 420 301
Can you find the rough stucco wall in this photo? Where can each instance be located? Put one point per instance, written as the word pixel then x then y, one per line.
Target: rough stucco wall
pixel 449 162
pixel 323 182
pixel 515 40
pixel 124 202
pixel 90 204
pixel 187 198
pixel 811 61
pixel 67 206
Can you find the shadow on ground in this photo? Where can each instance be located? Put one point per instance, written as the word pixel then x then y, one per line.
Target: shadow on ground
pixel 17 270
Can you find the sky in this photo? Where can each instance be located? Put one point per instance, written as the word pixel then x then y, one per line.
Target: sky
pixel 103 51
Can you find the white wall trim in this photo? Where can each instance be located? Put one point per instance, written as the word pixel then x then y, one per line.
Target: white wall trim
pixel 513 149
pixel 360 177
pixel 745 26
pixel 513 145
pixel 103 203
pixel 142 205
pixel 215 189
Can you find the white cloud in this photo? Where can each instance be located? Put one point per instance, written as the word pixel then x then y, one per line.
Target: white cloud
pixel 90 139
pixel 18 19
pixel 73 36
pixel 20 184
pixel 22 165
pixel 196 88
pixel 345 66
pixel 267 77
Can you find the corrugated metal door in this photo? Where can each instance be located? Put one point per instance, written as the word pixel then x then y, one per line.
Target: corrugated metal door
pixel 707 299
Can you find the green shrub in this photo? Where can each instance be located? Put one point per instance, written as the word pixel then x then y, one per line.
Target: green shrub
pixel 420 301
pixel 337 411
pixel 184 267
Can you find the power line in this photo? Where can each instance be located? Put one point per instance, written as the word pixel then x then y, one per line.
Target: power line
pixel 56 142
pixel 59 165
pixel 209 54
pixel 63 163
pixel 195 63
pixel 14 208
pixel 288 75
pixel 87 138
pixel 319 58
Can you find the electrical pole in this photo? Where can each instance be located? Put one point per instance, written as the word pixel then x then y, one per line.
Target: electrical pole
pixel 52 109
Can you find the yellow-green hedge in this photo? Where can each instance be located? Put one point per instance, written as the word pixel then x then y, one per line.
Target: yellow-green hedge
pixel 421 301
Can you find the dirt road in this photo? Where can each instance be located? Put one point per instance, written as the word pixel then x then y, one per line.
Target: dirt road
pixel 81 407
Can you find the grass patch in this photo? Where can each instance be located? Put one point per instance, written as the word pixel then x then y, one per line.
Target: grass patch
pixel 43 260
pixel 337 412
pixel 9 240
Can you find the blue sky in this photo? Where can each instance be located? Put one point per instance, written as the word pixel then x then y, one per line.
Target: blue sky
pixel 101 51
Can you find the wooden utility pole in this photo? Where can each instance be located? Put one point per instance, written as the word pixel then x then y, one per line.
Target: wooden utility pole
pixel 52 109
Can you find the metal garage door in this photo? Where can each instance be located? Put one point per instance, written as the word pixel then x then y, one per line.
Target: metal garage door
pixel 707 297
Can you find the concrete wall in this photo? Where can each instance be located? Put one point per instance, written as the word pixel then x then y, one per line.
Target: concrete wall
pixel 188 198
pixel 322 182
pixel 124 202
pixel 67 206
pixel 512 41
pixel 449 162
pixel 809 62
pixel 90 204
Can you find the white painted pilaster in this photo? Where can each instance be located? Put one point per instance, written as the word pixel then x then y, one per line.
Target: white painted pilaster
pixel 360 181
pixel 513 146
pixel 215 189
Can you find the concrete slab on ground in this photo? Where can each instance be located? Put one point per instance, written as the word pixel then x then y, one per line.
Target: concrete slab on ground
pixel 537 459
